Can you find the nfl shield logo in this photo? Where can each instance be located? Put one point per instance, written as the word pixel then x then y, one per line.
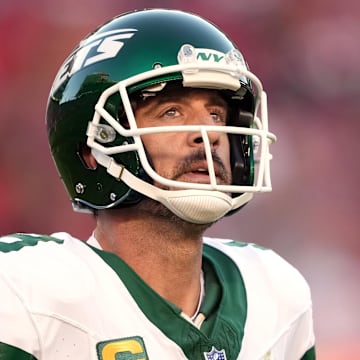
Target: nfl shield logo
pixel 215 354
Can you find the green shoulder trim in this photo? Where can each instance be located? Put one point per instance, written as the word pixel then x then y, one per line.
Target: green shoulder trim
pixel 8 352
pixel 22 240
pixel 244 244
pixel 310 354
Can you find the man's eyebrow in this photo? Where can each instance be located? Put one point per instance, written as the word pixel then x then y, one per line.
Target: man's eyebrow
pixel 159 99
pixel 148 104
pixel 217 101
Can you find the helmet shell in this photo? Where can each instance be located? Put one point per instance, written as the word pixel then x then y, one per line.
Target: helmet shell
pixel 127 45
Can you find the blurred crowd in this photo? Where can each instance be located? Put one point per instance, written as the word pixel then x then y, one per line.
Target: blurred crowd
pixel 306 53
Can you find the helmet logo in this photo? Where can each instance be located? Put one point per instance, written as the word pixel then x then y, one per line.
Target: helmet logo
pixel 189 54
pixel 207 56
pixel 96 48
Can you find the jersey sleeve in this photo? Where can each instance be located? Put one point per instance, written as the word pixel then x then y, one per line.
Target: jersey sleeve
pixel 279 304
pixel 17 329
pixel 284 303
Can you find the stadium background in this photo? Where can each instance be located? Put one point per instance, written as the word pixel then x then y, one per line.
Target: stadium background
pixel 307 54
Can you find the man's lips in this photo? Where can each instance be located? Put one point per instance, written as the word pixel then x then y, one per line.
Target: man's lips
pixel 202 167
pixel 199 173
pixel 195 177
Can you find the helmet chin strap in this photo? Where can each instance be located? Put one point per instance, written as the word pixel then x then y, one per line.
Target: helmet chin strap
pixel 195 206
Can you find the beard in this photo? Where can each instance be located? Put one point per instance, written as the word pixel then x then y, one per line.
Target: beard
pixel 152 208
pixel 224 175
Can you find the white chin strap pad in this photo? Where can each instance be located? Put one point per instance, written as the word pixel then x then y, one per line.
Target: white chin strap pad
pixel 198 207
pixel 195 206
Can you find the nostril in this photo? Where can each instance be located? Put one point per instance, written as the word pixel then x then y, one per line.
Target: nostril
pixel 198 140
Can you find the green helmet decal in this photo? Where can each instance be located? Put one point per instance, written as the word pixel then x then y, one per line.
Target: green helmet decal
pixel 130 53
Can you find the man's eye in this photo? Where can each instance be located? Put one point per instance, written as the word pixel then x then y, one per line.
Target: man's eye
pixel 218 117
pixel 172 112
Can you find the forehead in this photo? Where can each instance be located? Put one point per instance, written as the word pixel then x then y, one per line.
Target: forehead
pixel 176 93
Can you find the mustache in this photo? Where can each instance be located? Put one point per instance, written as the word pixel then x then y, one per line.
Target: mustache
pixel 187 165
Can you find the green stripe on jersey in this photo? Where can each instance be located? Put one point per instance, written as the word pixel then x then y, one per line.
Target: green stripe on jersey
pixel 224 304
pixel 22 240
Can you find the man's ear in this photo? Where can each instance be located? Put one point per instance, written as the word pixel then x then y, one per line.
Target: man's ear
pixel 87 158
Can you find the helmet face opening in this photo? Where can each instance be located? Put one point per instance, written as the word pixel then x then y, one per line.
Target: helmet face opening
pixel 133 57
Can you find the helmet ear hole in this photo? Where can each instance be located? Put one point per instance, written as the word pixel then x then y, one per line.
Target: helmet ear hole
pixel 122 118
pixel 87 158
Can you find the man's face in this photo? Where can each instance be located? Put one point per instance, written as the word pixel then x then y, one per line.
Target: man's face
pixel 180 155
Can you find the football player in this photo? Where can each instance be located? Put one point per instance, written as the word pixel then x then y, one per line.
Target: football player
pixel 157 127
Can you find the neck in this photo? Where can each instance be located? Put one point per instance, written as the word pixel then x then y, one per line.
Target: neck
pixel 165 252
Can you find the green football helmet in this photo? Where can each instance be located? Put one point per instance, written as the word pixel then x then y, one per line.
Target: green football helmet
pixel 141 52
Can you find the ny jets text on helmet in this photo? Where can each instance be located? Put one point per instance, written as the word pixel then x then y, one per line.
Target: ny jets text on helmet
pixel 103 46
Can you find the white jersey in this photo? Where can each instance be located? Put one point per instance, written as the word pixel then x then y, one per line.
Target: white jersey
pixel 62 298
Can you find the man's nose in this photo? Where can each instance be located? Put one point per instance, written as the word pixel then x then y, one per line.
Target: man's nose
pixel 198 138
